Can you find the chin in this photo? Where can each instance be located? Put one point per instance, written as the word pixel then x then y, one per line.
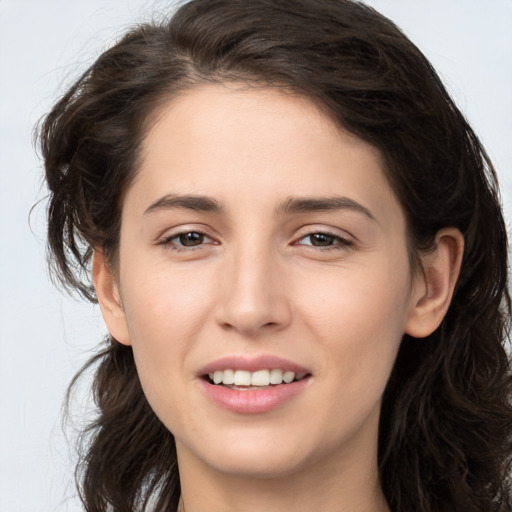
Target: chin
pixel 264 465
pixel 257 453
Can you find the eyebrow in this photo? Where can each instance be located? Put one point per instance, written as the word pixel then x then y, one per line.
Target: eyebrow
pixel 188 202
pixel 323 204
pixel 290 206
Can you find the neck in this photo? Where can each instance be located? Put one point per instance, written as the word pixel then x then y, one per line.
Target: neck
pixel 277 497
pixel 335 484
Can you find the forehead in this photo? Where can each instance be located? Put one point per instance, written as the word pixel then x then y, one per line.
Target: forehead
pixel 236 144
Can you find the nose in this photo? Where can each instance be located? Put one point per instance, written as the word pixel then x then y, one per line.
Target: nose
pixel 253 297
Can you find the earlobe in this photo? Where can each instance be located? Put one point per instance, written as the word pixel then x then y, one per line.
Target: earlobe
pixel 107 291
pixel 434 286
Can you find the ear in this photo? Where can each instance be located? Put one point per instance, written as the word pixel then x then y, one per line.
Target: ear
pixel 107 291
pixel 433 287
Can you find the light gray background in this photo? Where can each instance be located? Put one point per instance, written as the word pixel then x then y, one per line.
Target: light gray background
pixel 46 336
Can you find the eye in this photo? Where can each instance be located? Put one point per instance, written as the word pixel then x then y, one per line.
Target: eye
pixel 324 240
pixel 189 239
pixel 186 239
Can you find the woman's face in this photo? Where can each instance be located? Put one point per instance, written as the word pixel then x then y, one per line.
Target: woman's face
pixel 258 240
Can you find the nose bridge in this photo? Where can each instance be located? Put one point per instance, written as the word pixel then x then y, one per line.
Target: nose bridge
pixel 254 293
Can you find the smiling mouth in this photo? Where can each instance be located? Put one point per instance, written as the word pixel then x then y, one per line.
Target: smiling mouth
pixel 246 380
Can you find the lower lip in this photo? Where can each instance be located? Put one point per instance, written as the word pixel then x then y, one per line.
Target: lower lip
pixel 253 401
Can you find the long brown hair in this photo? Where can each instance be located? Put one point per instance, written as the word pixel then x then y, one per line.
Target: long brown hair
pixel 445 440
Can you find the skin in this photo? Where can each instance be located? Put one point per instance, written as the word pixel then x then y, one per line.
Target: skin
pixel 256 283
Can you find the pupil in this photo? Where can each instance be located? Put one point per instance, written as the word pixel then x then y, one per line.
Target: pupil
pixel 191 238
pixel 321 239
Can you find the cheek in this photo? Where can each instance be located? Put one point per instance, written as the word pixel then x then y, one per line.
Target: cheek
pixel 166 310
pixel 360 298
pixel 357 324
pixel 358 316
pixel 162 300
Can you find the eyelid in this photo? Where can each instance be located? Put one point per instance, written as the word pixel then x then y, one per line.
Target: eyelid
pixel 169 235
pixel 343 239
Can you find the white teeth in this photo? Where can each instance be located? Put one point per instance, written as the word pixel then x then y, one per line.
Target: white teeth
pixel 288 377
pixel 242 378
pixel 229 377
pixel 260 378
pixel 276 376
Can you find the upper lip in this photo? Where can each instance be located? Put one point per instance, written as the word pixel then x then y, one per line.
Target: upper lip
pixel 252 364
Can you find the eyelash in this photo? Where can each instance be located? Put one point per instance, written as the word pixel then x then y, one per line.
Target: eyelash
pixel 338 242
pixel 169 244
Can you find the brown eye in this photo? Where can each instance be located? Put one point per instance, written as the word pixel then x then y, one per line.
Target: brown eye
pixel 321 239
pixel 324 240
pixel 190 239
pixel 186 240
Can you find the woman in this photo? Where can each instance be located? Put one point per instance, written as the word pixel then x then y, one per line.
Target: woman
pixel 296 243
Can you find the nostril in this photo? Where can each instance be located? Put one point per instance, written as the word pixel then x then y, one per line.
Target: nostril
pixel 248 314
